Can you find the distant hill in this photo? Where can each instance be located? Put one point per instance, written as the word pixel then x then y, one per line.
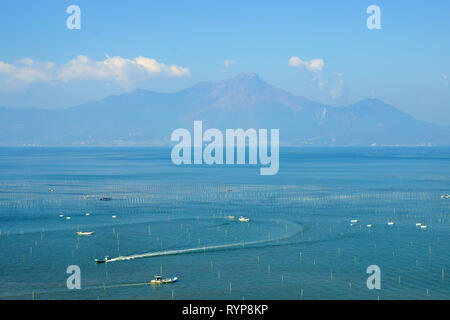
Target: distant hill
pixel 147 118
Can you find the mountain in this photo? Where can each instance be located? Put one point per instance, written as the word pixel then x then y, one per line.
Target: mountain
pixel 145 117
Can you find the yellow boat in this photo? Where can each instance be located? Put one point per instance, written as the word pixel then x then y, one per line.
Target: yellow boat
pixel 80 233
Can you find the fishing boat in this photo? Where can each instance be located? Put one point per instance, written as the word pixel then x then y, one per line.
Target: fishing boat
pixel 81 233
pixel 105 260
pixel 160 280
pixel 243 219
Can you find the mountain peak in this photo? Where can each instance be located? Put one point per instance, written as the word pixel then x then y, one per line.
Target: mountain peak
pixel 246 81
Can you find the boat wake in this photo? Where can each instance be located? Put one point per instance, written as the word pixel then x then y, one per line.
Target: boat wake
pixel 205 248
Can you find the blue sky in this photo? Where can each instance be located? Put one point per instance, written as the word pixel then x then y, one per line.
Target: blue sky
pixel 406 63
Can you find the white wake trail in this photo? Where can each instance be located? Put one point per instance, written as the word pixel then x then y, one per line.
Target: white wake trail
pixel 199 249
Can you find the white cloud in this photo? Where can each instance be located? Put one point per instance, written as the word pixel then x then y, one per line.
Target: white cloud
pixel 314 65
pixel 333 87
pixel 126 72
pixel 337 87
pixel 27 71
pixel 228 62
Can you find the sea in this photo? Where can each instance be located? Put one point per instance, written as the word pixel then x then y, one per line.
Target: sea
pixel 314 229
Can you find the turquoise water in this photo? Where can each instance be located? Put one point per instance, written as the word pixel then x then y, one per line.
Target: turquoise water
pixel 171 220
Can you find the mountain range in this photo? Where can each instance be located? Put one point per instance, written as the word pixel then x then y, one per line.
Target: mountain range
pixel 145 117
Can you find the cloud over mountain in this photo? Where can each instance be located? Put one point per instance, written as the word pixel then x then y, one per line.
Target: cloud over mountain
pixel 314 65
pixel 126 72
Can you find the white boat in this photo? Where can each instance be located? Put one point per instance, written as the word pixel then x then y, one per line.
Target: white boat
pixel 81 233
pixel 68 218
pixel 418 224
pixel 243 219
pixel 105 260
pixel 423 227
pixel 88 214
pixel 160 280
pixel 114 217
pixel 390 223
pixel 354 221
pixel 229 217
pixel 369 226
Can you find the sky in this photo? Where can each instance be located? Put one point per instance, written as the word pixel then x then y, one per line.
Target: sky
pixel 322 50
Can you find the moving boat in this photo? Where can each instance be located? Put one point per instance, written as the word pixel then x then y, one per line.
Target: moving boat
pixel 81 233
pixel 105 199
pixel 160 280
pixel 243 219
pixel 102 260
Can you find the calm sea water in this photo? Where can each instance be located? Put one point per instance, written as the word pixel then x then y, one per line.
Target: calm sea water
pixel 299 243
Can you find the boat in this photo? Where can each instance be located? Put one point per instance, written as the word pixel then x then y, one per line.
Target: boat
pixel 243 219
pixel 81 233
pixel 390 223
pixel 105 260
pixel 160 280
pixel 229 217
pixel 354 221
pixel 105 199
pixel 418 224
pixel 369 226
pixel 423 226
pixel 445 196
